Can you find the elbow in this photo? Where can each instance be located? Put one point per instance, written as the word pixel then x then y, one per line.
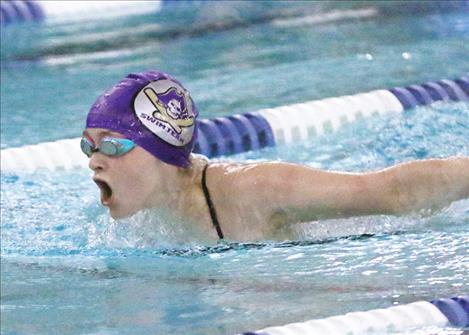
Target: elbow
pixel 403 196
pixel 393 198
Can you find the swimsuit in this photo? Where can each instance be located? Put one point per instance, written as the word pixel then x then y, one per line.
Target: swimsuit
pixel 211 207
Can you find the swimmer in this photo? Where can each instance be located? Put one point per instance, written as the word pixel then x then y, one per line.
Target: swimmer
pixel 140 149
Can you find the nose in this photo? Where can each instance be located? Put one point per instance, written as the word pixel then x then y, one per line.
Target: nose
pixel 97 162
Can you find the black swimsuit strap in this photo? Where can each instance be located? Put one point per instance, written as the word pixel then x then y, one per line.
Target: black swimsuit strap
pixel 211 207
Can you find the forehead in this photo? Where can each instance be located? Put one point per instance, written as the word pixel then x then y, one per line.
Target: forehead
pixel 97 133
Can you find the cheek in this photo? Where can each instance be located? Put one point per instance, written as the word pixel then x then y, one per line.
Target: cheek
pixel 134 185
pixel 130 195
pixel 136 179
pixel 137 185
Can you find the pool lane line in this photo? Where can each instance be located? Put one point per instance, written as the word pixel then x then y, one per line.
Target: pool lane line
pixel 20 11
pixel 223 136
pixel 439 312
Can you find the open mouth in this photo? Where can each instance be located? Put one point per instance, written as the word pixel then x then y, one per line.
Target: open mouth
pixel 106 192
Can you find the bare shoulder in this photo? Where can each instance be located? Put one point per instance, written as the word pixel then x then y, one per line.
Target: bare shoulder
pixel 258 174
pixel 275 194
pixel 250 196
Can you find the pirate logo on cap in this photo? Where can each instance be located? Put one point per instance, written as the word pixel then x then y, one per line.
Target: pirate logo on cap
pixel 166 109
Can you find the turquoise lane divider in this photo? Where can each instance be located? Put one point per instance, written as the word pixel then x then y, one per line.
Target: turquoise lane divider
pixel 440 312
pixel 264 128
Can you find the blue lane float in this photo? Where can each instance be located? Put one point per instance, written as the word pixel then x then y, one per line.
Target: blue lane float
pixel 234 134
pixel 440 313
pixel 456 310
pixel 20 11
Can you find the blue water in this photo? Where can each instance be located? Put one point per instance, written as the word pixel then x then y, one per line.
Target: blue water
pixel 67 268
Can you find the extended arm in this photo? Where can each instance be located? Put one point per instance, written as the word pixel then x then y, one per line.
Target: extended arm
pixel 300 194
pixel 430 184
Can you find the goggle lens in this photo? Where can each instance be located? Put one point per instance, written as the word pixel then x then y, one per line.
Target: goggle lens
pixel 86 146
pixel 109 146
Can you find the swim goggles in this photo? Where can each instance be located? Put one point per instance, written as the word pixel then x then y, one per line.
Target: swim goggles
pixel 109 146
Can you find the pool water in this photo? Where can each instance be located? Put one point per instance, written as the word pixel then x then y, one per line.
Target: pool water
pixel 67 268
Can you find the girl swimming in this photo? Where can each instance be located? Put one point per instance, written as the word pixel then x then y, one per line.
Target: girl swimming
pixel 140 148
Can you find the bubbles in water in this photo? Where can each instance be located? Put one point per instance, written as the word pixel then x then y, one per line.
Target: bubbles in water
pixel 357 226
pixel 148 228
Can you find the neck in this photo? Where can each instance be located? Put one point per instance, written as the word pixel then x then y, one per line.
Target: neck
pixel 185 197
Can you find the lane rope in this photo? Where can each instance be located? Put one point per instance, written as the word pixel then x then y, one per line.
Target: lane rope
pixel 440 313
pixel 18 11
pixel 222 136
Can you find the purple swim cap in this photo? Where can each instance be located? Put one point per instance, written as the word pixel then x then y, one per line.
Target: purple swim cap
pixel 152 109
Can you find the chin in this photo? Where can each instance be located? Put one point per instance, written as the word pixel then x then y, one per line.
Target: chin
pixel 119 210
pixel 116 214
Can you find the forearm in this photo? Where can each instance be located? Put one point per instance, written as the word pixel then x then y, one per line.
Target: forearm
pixel 429 184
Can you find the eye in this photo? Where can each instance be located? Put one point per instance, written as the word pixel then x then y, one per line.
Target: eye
pixel 86 146
pixel 109 147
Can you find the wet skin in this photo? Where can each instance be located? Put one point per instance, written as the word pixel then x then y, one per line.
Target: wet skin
pixel 137 180
pixel 124 186
pixel 262 200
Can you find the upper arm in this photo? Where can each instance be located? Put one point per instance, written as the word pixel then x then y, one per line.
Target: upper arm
pixel 303 194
